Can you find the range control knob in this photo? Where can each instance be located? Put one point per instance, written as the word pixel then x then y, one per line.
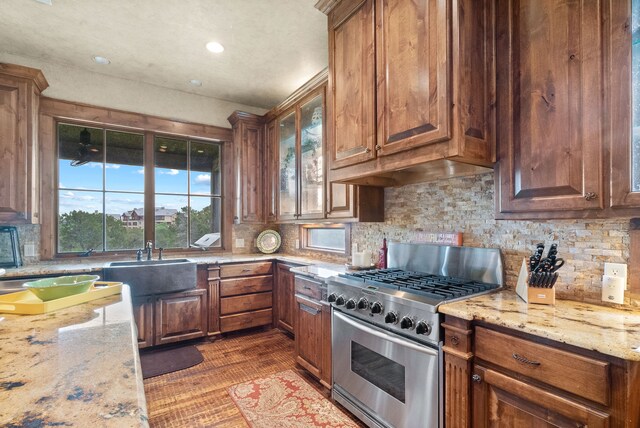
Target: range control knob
pixel 391 318
pixel 376 308
pixel 332 298
pixel 406 323
pixel 340 301
pixel 351 304
pixel 423 328
pixel 363 303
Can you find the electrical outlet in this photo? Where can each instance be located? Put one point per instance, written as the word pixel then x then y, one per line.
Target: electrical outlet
pixel 297 244
pixel 239 243
pixel 615 269
pixel 29 250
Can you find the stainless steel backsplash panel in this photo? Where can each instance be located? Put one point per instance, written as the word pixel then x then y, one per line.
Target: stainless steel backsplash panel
pixel 479 264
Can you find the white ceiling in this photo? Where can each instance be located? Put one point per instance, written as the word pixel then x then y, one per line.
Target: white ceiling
pixel 271 46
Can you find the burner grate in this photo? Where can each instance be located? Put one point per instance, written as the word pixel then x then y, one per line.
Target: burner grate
pixel 437 287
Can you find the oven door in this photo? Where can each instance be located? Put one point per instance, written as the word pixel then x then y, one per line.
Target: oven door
pixel 390 379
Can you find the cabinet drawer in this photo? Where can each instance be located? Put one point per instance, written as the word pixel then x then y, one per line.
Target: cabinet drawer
pixel 246 320
pixel 246 269
pixel 249 302
pixel 236 286
pixel 583 376
pixel 309 288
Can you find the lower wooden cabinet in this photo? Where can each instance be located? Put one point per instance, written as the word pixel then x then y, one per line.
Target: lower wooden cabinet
pixel 313 330
pixel 500 400
pixel 143 316
pixel 181 316
pixel 497 377
pixel 284 298
pixel 308 335
pixel 169 318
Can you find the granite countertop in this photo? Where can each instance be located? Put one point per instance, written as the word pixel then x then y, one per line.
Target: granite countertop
pixel 78 366
pixel 91 264
pixel 610 331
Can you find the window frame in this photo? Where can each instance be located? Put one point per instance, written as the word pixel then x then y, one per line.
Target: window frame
pixel 303 234
pixel 53 112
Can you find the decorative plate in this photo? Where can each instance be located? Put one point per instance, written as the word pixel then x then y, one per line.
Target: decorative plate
pixel 268 241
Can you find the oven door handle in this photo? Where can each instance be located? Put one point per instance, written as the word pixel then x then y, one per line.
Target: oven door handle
pixel 375 331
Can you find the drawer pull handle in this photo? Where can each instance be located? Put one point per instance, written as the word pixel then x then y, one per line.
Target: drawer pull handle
pixel 307 288
pixel 455 340
pixel 525 360
pixel 309 309
pixel 246 270
pixel 476 378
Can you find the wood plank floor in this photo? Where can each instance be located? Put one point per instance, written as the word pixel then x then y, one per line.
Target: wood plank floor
pixel 197 396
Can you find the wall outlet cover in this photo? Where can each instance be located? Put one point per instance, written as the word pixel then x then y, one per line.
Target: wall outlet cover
pixel 615 269
pixel 239 243
pixel 29 250
pixel 613 289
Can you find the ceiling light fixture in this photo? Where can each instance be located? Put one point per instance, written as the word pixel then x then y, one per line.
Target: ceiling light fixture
pixel 215 47
pixel 195 82
pixel 101 60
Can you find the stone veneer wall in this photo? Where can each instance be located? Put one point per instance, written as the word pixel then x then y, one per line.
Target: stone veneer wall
pixel 467 205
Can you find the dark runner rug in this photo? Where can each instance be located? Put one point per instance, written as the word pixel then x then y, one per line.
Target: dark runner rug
pixel 163 361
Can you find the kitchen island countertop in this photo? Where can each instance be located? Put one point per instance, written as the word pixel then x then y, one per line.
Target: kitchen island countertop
pixel 610 331
pixel 78 366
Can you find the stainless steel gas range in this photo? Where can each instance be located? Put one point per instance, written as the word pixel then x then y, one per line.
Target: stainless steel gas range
pixel 386 347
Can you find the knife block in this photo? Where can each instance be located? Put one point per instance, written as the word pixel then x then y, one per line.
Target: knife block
pixel 542 296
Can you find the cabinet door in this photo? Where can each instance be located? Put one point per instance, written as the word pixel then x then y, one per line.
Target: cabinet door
pixel 412 58
pixel 287 168
pixel 352 83
pixel 550 110
pixel 181 316
pixel 252 173
pixel 341 201
pixel 18 152
pixel 312 158
pixel 502 401
pixel 308 331
pixel 270 171
pixel 143 316
pixel 285 286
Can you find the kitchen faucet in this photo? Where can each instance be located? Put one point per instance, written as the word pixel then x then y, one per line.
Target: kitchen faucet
pixel 149 249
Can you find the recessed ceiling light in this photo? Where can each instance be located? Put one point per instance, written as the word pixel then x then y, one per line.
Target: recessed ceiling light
pixel 195 82
pixel 215 47
pixel 101 60
pixel 163 147
pixel 162 150
pixel 200 151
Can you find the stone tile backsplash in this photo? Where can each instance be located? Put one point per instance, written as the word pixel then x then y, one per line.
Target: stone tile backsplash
pixel 466 205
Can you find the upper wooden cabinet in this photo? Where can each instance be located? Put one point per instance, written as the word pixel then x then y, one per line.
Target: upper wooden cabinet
pixel 20 88
pixel 411 90
pixel 248 130
pixel 352 113
pixel 551 110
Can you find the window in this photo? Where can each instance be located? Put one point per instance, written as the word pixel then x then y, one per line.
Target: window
pixel 334 238
pixel 101 190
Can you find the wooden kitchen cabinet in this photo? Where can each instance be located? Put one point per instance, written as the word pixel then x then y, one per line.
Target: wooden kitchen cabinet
pixel 246 298
pixel 20 89
pixel 309 335
pixel 284 314
pixel 410 83
pixel 249 157
pixel 551 114
pixel 143 317
pixel 313 328
pixel 497 377
pixel 180 316
pixel 213 310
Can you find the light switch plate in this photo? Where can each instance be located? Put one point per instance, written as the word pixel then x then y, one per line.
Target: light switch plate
pixel 239 243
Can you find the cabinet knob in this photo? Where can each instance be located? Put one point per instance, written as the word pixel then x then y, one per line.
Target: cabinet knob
pixel 455 340
pixel 378 147
pixel 476 378
pixel 590 196
pixel 367 150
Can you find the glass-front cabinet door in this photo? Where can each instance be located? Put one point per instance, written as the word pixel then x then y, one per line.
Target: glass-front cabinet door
pixel 311 159
pixel 287 168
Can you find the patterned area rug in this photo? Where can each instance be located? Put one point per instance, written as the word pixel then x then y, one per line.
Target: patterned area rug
pixel 285 400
